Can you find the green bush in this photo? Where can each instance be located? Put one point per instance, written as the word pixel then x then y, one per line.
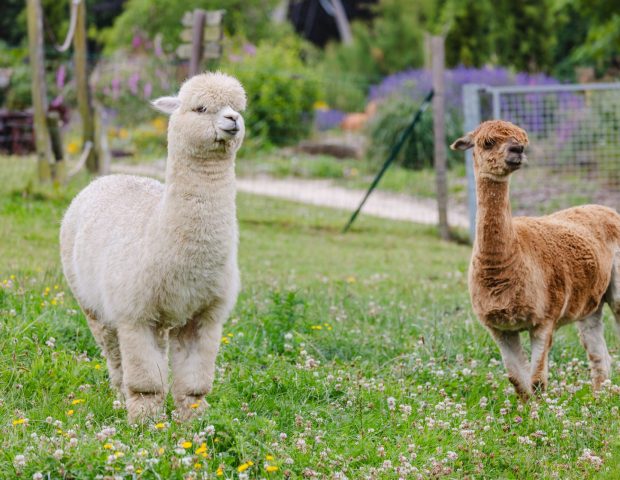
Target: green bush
pixel 393 117
pixel 281 90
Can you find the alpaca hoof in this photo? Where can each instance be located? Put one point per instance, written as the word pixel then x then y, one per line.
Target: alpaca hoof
pixel 190 406
pixel 539 386
pixel 141 406
pixel 520 390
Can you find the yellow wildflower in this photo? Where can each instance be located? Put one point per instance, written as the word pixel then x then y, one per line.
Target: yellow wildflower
pixel 197 465
pixel 195 405
pixel 269 457
pixel 225 340
pixel 70 412
pixel 97 366
pixel 108 446
pixel 316 327
pixel 73 147
pixel 119 454
pixel 186 445
pixel 161 450
pixel 271 468
pixel 19 421
pixel 77 400
pixel 219 472
pixel 201 449
pixel 244 466
pixel 160 425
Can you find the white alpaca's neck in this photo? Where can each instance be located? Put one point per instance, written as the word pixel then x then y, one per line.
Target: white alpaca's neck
pixel 199 200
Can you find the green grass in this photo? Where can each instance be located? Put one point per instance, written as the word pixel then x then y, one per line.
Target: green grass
pixel 351 353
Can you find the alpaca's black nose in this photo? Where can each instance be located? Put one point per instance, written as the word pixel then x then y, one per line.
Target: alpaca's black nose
pixel 232 117
pixel 516 149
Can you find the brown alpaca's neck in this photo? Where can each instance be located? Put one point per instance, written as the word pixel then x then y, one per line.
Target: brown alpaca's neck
pixel 495 236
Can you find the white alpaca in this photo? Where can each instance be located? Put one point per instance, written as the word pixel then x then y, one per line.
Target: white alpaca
pixel 155 265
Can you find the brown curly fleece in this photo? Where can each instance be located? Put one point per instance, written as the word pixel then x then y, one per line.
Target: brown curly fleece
pixel 537 273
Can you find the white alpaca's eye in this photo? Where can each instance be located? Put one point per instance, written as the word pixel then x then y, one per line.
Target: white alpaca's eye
pixel 200 109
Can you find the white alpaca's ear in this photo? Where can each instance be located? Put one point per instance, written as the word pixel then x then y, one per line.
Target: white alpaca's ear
pixel 463 143
pixel 166 104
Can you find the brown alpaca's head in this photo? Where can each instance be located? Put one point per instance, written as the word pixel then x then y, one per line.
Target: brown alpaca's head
pixel 498 147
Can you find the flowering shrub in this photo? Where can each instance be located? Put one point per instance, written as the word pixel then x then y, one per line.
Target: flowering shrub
pixel 400 94
pixel 126 81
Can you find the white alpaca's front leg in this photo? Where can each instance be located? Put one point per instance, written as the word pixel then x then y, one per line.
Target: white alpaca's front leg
pixel 515 361
pixel 194 349
pixel 145 369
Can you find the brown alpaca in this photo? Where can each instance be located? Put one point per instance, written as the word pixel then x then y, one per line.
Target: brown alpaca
pixel 537 273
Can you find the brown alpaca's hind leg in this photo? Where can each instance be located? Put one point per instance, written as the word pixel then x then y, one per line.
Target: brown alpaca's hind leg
pixel 107 339
pixel 591 334
pixel 612 296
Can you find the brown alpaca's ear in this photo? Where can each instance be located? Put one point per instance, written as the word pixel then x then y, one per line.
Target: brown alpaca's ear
pixel 463 143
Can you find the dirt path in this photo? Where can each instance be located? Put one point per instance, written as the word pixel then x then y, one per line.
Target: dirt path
pixel 324 193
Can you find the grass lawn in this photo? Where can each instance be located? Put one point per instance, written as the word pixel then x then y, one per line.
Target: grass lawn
pixel 347 356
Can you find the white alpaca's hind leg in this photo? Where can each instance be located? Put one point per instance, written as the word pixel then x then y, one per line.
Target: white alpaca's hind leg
pixel 515 361
pixel 194 349
pixel 591 334
pixel 145 369
pixel 107 339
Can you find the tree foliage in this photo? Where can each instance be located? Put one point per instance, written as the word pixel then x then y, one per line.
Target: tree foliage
pixel 249 18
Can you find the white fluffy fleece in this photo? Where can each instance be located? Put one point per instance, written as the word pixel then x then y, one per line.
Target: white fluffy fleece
pixel 154 266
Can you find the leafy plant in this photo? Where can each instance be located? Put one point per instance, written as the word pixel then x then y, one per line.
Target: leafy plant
pixel 418 150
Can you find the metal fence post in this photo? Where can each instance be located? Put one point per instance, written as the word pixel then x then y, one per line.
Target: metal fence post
pixel 471 109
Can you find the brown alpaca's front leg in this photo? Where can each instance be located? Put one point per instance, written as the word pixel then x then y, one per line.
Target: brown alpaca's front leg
pixel 515 361
pixel 541 339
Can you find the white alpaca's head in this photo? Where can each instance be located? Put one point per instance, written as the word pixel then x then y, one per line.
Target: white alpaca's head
pixel 204 117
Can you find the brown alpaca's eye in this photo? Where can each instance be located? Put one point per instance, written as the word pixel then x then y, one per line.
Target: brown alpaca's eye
pixel 488 144
pixel 200 109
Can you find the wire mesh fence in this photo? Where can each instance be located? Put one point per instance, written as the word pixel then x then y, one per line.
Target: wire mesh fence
pixel 574 132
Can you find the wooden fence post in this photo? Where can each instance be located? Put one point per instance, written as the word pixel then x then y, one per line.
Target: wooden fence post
pixel 197 39
pixel 45 159
pixel 83 93
pixel 439 129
